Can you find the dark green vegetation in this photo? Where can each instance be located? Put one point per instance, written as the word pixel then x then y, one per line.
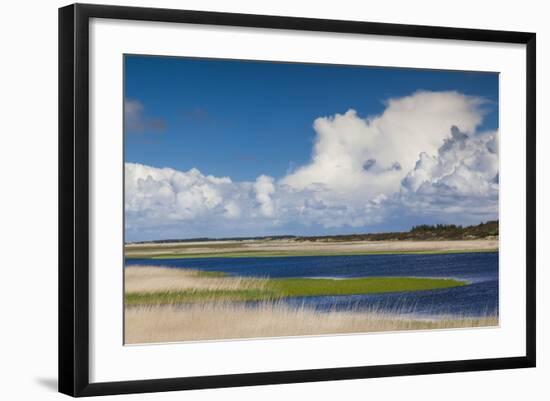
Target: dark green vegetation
pixel 420 240
pixel 422 232
pixel 293 287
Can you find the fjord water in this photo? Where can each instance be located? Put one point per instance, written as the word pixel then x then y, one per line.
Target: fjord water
pixel 478 298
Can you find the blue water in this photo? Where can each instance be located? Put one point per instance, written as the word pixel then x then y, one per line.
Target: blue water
pixel 477 298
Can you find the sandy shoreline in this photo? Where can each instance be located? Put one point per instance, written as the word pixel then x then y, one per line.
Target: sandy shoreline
pixel 304 247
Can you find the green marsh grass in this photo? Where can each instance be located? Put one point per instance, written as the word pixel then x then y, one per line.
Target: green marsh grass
pixel 164 304
pixel 275 289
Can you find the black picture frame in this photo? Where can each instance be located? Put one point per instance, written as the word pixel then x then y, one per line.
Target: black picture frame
pixel 74 198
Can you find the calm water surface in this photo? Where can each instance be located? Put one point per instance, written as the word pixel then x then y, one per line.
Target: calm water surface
pixel 477 298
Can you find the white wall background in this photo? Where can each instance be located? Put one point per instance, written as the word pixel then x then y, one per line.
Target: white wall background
pixel 28 205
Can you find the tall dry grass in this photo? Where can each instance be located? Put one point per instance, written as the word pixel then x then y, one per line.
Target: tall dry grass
pixel 223 320
pixel 158 278
pixel 211 321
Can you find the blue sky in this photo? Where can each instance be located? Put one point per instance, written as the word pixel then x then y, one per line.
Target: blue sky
pixel 259 115
pixel 246 119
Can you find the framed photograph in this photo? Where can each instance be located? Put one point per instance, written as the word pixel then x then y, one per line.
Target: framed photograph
pixel 250 199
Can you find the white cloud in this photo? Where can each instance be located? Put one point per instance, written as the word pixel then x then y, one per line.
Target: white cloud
pixel 422 155
pixel 372 155
pixel 264 189
pixel 232 210
pixel 462 178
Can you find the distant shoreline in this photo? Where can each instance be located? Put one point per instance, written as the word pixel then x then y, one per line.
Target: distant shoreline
pixel 423 232
pixel 293 248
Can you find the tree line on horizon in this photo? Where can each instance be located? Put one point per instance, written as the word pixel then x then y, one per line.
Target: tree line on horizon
pixel 423 232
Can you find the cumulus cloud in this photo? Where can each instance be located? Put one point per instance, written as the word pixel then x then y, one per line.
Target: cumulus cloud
pixel 264 189
pixel 373 154
pixel 422 156
pixel 462 178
